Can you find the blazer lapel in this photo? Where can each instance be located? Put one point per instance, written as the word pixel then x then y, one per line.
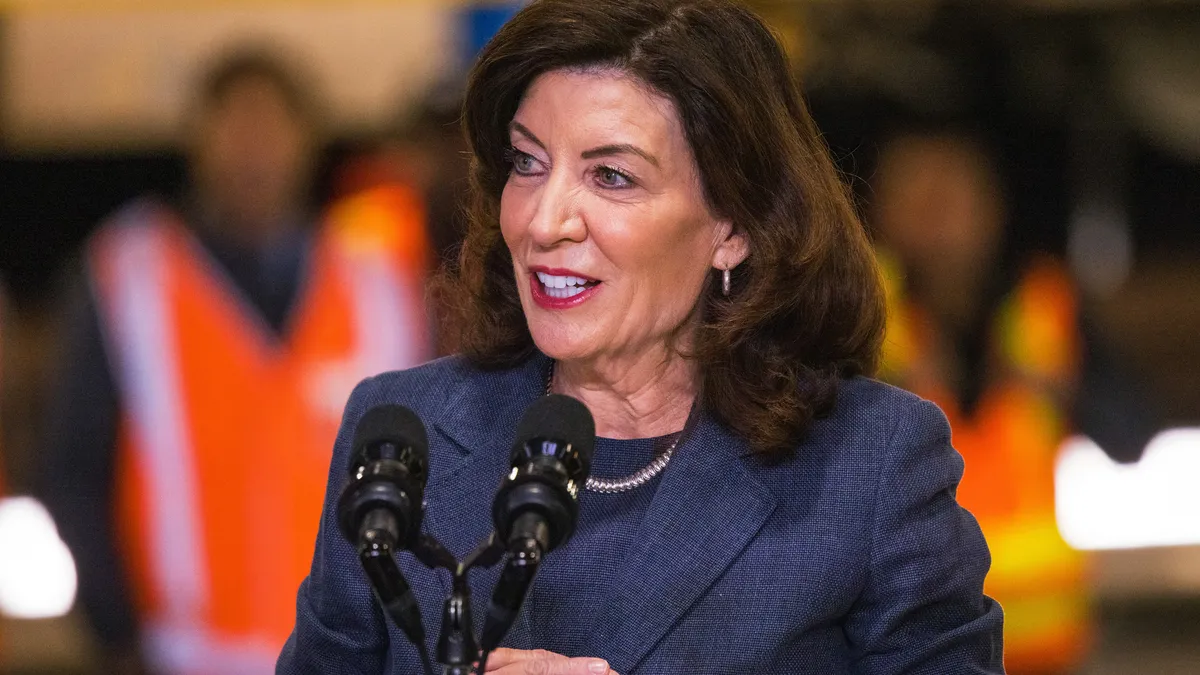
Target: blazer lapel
pixel 477 423
pixel 708 508
pixel 482 414
pixel 475 426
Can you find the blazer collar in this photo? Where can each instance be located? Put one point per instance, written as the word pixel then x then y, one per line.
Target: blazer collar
pixel 478 408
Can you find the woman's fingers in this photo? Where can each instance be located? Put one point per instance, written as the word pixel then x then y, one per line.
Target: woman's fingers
pixel 503 656
pixel 542 662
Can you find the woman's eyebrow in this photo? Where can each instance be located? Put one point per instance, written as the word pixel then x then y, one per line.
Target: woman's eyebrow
pixel 620 149
pixel 602 151
pixel 520 129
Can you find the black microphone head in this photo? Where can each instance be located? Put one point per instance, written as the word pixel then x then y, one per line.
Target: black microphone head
pixel 551 460
pixel 389 465
pixel 387 430
pixel 563 420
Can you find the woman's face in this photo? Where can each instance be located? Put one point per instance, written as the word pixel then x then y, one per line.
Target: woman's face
pixel 604 214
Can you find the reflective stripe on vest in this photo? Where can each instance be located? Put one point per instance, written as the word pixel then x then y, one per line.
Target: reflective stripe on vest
pixel 380 306
pixel 147 362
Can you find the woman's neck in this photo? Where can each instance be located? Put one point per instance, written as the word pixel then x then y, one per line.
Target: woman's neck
pixel 642 397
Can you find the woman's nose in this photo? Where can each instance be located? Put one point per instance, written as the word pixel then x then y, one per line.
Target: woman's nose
pixel 559 216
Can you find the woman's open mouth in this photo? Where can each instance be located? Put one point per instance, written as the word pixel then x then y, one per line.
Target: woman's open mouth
pixel 564 286
pixel 559 289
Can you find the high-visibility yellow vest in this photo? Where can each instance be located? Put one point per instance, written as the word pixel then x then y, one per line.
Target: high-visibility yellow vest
pixel 1009 443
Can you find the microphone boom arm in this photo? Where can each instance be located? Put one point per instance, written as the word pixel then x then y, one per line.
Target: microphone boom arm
pixel 525 555
pixel 376 553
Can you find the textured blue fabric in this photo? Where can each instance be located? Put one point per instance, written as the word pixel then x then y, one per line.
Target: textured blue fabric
pixel 586 565
pixel 852 556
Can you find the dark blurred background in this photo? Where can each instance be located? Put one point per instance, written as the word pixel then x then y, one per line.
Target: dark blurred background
pixel 1088 112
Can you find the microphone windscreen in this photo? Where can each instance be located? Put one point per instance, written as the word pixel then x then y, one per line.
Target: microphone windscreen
pixel 560 418
pixel 390 423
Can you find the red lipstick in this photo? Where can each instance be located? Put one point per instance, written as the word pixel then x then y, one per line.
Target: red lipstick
pixel 553 298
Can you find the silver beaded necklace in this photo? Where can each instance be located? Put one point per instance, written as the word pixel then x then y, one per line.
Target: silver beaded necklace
pixel 611 486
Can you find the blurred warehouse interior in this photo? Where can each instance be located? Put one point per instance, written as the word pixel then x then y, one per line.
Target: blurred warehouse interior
pixel 1091 108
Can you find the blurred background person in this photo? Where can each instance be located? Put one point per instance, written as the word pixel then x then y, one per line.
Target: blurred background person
pixel 207 359
pixel 998 342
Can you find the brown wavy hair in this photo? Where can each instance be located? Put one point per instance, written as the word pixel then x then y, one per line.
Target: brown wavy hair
pixel 806 307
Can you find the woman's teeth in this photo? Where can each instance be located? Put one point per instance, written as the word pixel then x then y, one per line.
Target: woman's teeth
pixel 563 286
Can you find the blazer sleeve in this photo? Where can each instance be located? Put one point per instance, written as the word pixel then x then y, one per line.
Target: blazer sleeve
pixel 339 628
pixel 923 609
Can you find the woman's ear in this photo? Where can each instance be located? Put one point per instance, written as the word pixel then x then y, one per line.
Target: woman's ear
pixel 732 248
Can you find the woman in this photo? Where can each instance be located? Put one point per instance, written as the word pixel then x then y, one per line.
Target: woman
pixel 657 230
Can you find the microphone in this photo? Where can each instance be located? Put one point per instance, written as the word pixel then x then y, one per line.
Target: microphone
pixel 389 464
pixel 380 509
pixel 537 506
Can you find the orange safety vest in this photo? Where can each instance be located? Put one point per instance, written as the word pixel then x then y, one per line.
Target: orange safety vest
pixel 1009 444
pixel 228 428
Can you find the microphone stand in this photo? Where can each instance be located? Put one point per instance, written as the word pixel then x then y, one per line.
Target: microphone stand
pixel 380 509
pixel 510 592
pixel 458 650
pixel 457 647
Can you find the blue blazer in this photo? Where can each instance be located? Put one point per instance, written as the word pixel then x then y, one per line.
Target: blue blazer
pixel 851 556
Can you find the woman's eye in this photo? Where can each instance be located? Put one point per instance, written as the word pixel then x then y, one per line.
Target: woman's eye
pixel 612 178
pixel 523 163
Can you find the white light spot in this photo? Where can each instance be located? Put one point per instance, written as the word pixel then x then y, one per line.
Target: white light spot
pixel 1104 505
pixel 37 574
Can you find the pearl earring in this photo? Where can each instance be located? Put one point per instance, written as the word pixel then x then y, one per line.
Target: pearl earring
pixel 725 282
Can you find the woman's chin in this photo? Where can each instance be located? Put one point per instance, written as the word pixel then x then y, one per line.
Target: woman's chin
pixel 560 352
pixel 561 345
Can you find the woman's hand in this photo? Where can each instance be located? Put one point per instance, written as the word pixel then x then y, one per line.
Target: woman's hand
pixel 542 662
